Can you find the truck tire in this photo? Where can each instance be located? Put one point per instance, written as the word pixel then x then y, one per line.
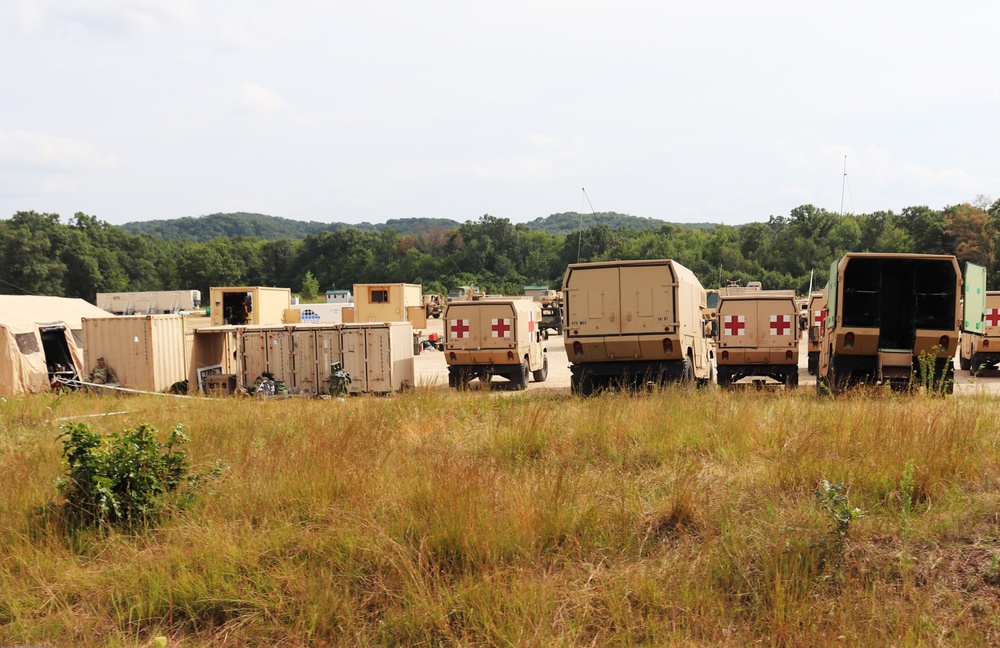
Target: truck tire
pixel 458 378
pixel 792 379
pixel 687 372
pixel 520 376
pixel 975 364
pixel 707 382
pixel 724 377
pixel 964 363
pixel 543 373
pixel 582 384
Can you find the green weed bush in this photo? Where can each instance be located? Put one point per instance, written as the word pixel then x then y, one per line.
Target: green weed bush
pixel 123 479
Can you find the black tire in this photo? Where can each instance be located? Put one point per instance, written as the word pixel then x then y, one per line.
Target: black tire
pixel 687 372
pixel 792 380
pixel 964 363
pixel 707 382
pixel 813 363
pixel 520 376
pixel 582 384
pixel 543 373
pixel 457 378
pixel 725 377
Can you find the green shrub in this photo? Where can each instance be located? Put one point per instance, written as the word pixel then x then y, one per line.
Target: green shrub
pixel 123 479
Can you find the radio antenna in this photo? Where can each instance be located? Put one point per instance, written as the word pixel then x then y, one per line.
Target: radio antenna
pixel 579 236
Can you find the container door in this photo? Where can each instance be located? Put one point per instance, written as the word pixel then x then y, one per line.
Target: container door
pixel 279 355
pixel 327 352
pixel 379 360
pixel 305 377
pixel 352 342
pixel 974 300
pixel 254 356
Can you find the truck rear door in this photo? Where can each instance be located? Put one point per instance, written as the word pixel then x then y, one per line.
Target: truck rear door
pixel 592 309
pixel 974 301
pixel 738 326
pixel 647 299
pixel 776 323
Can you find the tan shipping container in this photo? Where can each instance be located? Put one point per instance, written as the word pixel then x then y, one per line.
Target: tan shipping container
pixel 263 305
pixel 390 303
pixel 378 356
pixel 214 350
pixel 147 352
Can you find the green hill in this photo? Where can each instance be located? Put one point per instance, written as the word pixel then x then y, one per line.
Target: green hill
pixel 569 222
pixel 204 228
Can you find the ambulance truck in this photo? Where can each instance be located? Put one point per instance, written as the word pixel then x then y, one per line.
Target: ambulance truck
pixel 758 338
pixel 494 337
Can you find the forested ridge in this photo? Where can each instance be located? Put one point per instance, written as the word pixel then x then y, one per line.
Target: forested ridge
pixel 40 254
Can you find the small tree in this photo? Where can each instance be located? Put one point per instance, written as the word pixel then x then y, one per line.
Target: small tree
pixel 310 287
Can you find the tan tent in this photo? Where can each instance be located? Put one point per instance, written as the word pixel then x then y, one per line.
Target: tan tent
pixel 41 338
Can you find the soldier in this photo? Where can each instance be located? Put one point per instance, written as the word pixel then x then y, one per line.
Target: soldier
pixel 339 380
pixel 103 374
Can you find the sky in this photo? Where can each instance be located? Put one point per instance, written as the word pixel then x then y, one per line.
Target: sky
pixel 718 111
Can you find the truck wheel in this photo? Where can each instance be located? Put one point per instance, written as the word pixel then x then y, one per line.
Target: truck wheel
pixel 520 376
pixel 707 382
pixel 543 373
pixel 687 372
pixel 582 384
pixel 974 364
pixel 455 378
pixel 792 379
pixel 964 363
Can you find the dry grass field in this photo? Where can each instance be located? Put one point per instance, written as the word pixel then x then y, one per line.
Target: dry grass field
pixel 681 517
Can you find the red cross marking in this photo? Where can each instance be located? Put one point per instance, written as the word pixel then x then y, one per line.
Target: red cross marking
pixel 735 324
pixel 817 317
pixel 780 325
pixel 459 328
pixel 501 328
pixel 993 316
pixel 531 321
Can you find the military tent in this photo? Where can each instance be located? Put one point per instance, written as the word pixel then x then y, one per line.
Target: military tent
pixel 40 339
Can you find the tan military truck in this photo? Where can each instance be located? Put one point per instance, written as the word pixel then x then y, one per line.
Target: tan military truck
pixel 758 337
pixel 816 315
pixel 433 305
pixel 635 323
pixel 980 347
pixel 494 337
pixel 884 313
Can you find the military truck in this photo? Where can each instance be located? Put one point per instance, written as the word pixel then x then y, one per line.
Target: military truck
pixel 552 319
pixel 890 317
pixel 758 337
pixel 635 323
pixel 494 337
pixel 433 305
pixel 980 346
pixel 816 315
pixel 465 293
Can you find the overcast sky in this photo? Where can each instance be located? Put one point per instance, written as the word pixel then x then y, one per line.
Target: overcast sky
pixel 727 111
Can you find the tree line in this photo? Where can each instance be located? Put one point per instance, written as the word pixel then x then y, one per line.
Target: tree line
pixel 41 255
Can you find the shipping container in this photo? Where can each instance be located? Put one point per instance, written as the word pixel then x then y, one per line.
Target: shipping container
pixel 149 302
pixel 214 350
pixel 249 305
pixel 378 356
pixel 147 352
pixel 390 303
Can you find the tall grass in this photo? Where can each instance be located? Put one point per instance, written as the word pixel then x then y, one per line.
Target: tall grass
pixel 677 517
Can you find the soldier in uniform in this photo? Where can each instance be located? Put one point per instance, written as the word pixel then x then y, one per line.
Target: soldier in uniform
pixel 103 374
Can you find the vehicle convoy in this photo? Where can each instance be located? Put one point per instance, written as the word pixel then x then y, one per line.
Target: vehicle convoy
pixel 494 337
pixel 980 347
pixel 758 337
pixel 890 318
pixel 817 304
pixel 635 323
pixel 433 305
